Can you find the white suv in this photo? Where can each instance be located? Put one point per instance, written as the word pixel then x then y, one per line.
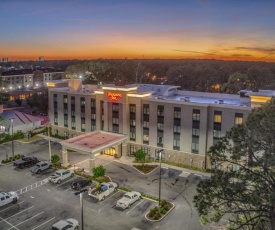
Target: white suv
pixel 8 197
pixel 69 224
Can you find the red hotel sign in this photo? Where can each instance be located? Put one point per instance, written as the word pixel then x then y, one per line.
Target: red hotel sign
pixel 114 96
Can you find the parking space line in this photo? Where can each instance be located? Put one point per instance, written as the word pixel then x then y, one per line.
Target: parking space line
pixel 19 213
pixel 11 206
pixel 107 199
pixel 43 223
pixel 65 182
pixel 1 219
pixel 32 186
pixel 134 207
pixel 27 219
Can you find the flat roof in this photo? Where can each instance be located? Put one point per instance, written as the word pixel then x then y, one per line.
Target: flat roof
pixel 94 142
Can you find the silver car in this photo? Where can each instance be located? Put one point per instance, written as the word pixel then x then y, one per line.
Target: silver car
pixel 69 224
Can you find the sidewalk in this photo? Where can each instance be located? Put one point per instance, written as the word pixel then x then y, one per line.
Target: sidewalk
pixel 47 138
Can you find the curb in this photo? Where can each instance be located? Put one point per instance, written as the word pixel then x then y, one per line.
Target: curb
pixel 162 216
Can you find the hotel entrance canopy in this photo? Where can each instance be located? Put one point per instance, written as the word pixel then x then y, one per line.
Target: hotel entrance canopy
pixel 94 142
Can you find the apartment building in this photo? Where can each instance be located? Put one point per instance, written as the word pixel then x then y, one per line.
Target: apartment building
pixel 29 78
pixel 182 123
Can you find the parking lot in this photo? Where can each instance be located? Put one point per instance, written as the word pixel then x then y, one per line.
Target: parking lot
pixel 42 204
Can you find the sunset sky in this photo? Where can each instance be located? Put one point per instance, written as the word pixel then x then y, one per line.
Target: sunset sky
pixel 88 29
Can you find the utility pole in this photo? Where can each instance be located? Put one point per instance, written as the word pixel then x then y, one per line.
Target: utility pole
pixel 12 146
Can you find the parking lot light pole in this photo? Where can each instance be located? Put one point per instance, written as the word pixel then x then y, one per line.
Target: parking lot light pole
pixel 81 205
pixel 50 149
pixel 12 147
pixel 160 155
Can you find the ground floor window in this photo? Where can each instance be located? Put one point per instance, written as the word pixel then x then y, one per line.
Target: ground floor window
pixel 157 154
pixel 55 132
pixel 133 149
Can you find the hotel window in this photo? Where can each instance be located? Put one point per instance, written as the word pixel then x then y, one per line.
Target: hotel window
pixel 132 108
pixel 217 116
pixel 216 134
pixel 176 129
pixel 66 121
pixel 196 115
pixel 160 110
pixel 65 99
pixel 157 155
pixel 146 109
pixel 145 124
pixel 72 100
pixel 82 115
pixel 146 150
pixel 93 125
pixel 160 126
pixel 115 128
pixel 93 103
pixel 132 133
pixel 73 113
pixel 83 127
pixel 82 101
pixel 195 145
pixel 55 120
pixel 238 118
pixel 176 142
pixel 177 112
pixel 146 138
pixel 195 132
pixel 115 107
pixel 93 116
pixel 73 123
pixel 115 121
pixel 55 97
pixel 66 134
pixel 133 122
pixel 133 150
pixel 160 141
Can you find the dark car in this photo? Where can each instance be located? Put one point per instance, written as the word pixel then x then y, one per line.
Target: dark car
pixel 80 183
pixel 25 162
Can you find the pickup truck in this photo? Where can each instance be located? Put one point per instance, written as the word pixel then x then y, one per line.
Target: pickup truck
pixel 41 166
pixel 24 162
pixel 104 190
pixel 60 175
pixel 128 199
pixel 8 197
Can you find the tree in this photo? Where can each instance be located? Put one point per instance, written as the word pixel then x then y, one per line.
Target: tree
pixel 99 171
pixel 246 196
pixel 236 82
pixel 140 155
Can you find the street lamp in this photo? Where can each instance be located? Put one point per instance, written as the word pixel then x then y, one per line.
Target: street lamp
pixel 50 149
pixel 81 205
pixel 160 156
pixel 12 147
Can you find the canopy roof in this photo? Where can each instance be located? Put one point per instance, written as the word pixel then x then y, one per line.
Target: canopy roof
pixel 94 142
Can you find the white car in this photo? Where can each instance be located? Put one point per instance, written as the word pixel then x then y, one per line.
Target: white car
pixel 8 197
pixel 69 224
pixel 61 175
pixel 128 199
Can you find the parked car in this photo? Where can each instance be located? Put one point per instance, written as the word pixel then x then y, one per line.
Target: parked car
pixel 128 199
pixel 41 166
pixel 60 175
pixel 24 162
pixel 69 224
pixel 80 183
pixel 8 197
pixel 104 190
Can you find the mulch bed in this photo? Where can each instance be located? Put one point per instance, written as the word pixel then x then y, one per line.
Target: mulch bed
pixel 158 213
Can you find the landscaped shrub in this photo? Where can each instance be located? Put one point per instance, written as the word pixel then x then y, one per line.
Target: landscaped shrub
pixel 140 155
pixel 99 171
pixel 18 135
pixel 157 216
pixel 152 212
pixel 55 159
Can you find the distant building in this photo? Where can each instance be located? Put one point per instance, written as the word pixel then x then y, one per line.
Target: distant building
pixel 5 60
pixel 41 58
pixel 29 78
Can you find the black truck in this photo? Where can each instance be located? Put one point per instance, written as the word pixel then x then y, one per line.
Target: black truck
pixel 24 162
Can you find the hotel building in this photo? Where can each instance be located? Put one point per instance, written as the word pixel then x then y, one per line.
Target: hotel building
pixel 151 117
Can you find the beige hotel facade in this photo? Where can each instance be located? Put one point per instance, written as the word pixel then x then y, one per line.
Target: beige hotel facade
pixel 184 124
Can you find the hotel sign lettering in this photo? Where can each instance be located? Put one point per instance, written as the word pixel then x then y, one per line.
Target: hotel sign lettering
pixel 114 96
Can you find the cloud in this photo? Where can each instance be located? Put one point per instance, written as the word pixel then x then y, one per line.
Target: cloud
pixel 241 55
pixel 191 51
pixel 259 49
